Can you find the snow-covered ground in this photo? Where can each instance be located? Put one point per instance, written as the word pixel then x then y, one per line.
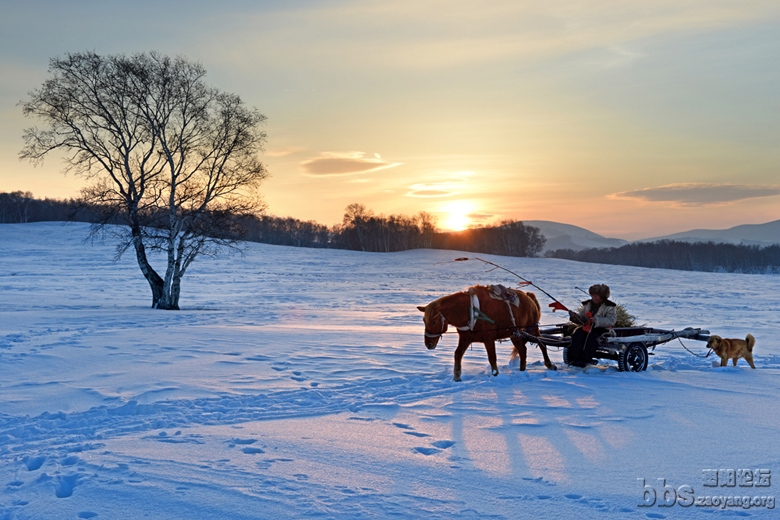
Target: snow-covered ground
pixel 295 383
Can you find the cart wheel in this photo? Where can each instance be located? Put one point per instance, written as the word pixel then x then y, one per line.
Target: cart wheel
pixel 633 359
pixel 566 355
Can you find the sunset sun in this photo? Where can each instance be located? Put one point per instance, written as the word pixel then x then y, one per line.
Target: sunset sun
pixel 456 215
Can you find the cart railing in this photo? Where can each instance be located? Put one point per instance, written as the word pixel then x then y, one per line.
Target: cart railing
pixel 656 336
pixel 553 336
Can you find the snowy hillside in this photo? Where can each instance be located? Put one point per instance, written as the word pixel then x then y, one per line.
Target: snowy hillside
pixel 568 236
pixel 295 383
pixel 751 234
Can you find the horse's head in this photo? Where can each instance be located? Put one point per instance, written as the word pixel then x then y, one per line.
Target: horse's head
pixel 435 324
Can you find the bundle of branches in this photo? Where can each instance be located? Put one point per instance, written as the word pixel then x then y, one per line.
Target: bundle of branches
pixel 624 318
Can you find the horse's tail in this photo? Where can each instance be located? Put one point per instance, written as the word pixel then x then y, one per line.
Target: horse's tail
pixel 534 329
pixel 536 304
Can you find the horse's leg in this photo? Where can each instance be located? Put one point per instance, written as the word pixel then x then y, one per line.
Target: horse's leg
pixel 490 346
pixel 521 350
pixel 463 344
pixel 547 361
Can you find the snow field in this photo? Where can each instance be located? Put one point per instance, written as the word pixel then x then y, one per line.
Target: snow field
pixel 295 383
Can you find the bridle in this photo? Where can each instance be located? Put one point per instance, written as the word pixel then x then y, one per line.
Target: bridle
pixel 443 328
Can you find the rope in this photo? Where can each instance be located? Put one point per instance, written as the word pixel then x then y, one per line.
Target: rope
pixel 539 343
pixel 694 353
pixel 485 330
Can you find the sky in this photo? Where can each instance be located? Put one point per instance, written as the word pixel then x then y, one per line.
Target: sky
pixel 629 118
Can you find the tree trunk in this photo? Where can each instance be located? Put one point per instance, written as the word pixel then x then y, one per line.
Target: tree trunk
pixel 169 301
pixel 170 290
pixel 155 282
pixel 172 284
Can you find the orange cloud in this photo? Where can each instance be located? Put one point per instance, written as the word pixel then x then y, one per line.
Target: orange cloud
pixel 283 152
pixel 352 163
pixel 432 190
pixel 699 194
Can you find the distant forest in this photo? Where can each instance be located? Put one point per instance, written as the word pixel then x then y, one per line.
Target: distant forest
pixel 685 256
pixel 360 230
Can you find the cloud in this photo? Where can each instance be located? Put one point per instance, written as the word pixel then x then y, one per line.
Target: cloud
pixel 699 194
pixel 283 152
pixel 398 34
pixel 351 163
pixel 481 218
pixel 433 190
pixel 613 57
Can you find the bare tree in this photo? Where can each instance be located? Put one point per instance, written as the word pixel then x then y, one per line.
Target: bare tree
pixel 427 224
pixel 169 156
pixel 16 207
pixel 356 220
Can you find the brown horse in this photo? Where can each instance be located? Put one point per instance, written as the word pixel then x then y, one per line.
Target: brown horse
pixel 457 310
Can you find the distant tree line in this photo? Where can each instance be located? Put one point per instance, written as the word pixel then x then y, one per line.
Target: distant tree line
pixel 685 256
pixel 285 231
pixel 19 207
pixel 360 230
pixel 508 238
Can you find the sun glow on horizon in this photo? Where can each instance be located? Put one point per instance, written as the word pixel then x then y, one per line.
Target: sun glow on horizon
pixel 457 214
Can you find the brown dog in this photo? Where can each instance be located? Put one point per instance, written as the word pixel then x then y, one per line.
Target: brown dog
pixel 733 349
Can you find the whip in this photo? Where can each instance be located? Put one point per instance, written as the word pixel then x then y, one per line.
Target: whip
pixel 555 305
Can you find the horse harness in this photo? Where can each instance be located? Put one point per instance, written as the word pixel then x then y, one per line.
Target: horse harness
pixel 443 326
pixel 498 292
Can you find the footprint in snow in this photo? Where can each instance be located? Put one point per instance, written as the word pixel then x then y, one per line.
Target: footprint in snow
pixel 655 515
pixel 408 430
pixel 444 444
pixel 34 463
pixel 70 461
pixel 252 451
pixel 87 514
pixel 426 451
pixel 539 480
pixel 244 442
pixel 258 358
pixel 66 484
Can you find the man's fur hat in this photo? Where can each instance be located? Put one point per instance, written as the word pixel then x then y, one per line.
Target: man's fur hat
pixel 600 289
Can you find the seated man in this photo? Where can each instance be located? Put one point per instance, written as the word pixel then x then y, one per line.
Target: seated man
pixel 595 316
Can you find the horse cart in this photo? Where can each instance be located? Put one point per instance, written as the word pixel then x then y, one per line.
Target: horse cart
pixel 629 346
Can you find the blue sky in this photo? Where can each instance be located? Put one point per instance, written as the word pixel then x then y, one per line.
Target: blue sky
pixel 629 118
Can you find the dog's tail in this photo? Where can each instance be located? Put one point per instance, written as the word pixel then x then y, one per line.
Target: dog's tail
pixel 750 340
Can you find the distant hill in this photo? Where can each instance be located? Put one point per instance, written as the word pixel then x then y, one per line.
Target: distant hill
pixel 749 234
pixel 567 236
